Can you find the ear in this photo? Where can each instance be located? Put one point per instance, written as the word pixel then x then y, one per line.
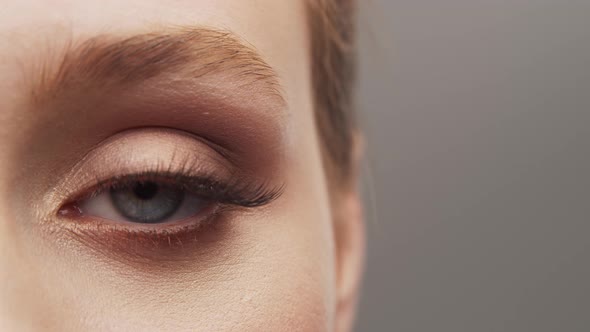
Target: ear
pixel 349 232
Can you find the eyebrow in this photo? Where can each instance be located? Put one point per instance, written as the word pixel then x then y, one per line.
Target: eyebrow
pixel 107 61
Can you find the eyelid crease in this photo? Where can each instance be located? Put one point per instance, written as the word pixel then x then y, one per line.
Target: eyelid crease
pixel 221 150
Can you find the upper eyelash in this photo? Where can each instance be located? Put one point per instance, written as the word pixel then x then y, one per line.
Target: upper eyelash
pixel 235 192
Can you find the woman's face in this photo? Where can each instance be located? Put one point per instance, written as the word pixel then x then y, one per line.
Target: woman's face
pixel 159 172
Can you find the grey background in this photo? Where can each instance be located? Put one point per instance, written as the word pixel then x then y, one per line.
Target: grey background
pixel 478 120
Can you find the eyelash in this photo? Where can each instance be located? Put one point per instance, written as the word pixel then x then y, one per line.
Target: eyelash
pixel 235 192
pixel 166 242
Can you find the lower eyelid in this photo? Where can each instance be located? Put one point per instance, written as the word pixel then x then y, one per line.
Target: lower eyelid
pixel 150 246
pixel 72 218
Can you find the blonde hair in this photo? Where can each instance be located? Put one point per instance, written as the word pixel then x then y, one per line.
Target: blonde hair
pixel 333 54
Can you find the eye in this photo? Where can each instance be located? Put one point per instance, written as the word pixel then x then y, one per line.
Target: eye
pixel 147 202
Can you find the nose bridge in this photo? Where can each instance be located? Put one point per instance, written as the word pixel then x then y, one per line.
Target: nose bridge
pixel 14 276
pixel 25 304
pixel 21 297
pixel 24 301
pixel 33 284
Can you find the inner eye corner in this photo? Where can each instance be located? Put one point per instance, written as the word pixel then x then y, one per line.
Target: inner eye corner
pixel 69 210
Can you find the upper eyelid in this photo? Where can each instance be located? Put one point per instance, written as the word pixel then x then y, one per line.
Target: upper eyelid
pixel 222 151
pixel 173 151
pixel 196 163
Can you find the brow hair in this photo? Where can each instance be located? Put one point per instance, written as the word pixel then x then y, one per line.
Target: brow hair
pixel 185 52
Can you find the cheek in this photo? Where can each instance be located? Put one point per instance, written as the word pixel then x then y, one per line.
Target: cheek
pixel 297 286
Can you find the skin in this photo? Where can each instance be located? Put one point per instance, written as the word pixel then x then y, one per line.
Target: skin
pixel 293 265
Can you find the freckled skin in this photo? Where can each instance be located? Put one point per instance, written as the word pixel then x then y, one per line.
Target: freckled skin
pixel 293 265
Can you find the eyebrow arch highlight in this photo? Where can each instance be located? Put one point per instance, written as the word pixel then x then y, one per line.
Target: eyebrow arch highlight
pixel 107 61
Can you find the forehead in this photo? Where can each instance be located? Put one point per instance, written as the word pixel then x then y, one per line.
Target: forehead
pixel 262 21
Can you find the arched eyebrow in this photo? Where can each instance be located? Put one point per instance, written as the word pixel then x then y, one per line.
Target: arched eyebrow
pixel 182 53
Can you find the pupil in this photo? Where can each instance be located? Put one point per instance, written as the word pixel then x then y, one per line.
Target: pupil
pixel 145 191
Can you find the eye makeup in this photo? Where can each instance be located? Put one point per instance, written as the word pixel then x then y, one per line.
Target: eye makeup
pixel 199 186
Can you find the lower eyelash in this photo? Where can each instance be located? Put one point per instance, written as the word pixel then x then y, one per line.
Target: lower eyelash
pixel 140 246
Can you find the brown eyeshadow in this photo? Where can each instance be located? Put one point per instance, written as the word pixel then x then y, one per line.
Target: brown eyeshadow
pixel 154 250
